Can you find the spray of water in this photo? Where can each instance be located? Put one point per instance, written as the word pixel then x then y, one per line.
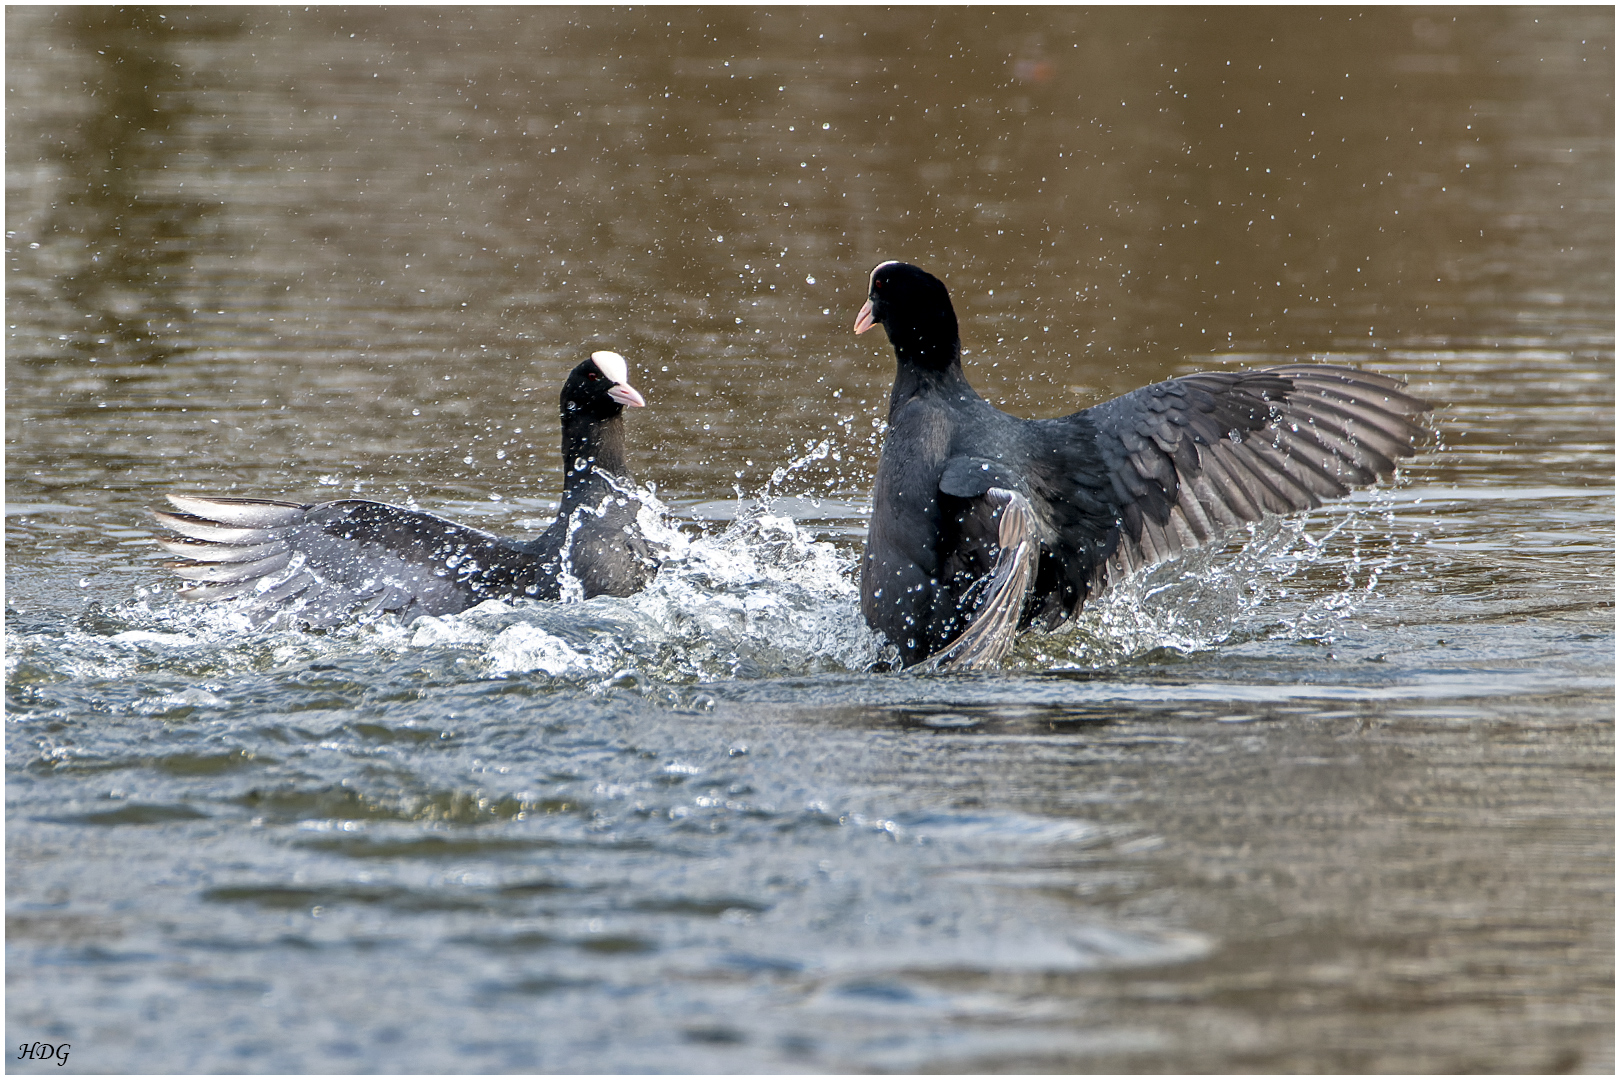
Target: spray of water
pixel 760 599
pixel 764 599
pixel 1282 578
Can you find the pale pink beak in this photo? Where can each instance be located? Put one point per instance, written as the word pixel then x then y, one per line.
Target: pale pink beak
pixel 864 321
pixel 625 394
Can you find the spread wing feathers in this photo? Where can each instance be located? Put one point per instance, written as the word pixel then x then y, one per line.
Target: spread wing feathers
pixel 351 556
pixel 995 623
pixel 1188 459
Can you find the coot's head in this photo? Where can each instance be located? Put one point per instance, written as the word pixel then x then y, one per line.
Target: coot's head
pixel 600 388
pixel 915 310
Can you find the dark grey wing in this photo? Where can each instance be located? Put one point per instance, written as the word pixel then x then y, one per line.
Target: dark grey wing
pixel 334 560
pixel 1183 461
pixel 932 544
pixel 966 476
pixel 999 607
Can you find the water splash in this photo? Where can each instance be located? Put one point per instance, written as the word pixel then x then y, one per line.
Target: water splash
pixel 1285 578
pixel 760 599
pixel 818 452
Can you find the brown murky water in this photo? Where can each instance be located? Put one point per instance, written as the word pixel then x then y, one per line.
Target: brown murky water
pixel 1339 798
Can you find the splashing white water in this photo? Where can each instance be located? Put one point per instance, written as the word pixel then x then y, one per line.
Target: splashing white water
pixel 760 599
pixel 1255 584
pixel 764 599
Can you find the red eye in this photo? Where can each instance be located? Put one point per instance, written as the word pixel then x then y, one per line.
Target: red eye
pixel 593 376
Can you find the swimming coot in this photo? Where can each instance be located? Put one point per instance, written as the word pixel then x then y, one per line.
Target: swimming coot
pixel 355 556
pixel 985 524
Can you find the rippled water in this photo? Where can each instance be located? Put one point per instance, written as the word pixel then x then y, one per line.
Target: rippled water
pixel 1338 796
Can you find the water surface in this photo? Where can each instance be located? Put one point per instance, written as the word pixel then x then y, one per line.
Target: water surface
pixel 1338 796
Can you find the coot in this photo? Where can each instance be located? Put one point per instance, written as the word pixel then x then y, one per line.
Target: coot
pixel 354 557
pixel 985 524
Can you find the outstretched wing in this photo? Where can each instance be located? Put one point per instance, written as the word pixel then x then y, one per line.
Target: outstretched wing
pixel 340 558
pixel 1184 461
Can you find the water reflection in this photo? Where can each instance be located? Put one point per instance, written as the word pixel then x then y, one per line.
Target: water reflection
pixel 117 231
pixel 348 215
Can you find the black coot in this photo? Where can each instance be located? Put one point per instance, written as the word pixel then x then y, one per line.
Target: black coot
pixel 358 557
pixel 984 524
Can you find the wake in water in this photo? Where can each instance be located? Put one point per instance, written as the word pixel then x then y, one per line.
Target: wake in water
pixel 761 599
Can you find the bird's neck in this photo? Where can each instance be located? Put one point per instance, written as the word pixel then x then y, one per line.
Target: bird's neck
pixel 935 369
pixel 591 444
pixel 927 354
pixel 936 347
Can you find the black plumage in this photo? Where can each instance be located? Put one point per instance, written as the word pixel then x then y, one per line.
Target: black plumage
pixel 984 524
pixel 353 556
